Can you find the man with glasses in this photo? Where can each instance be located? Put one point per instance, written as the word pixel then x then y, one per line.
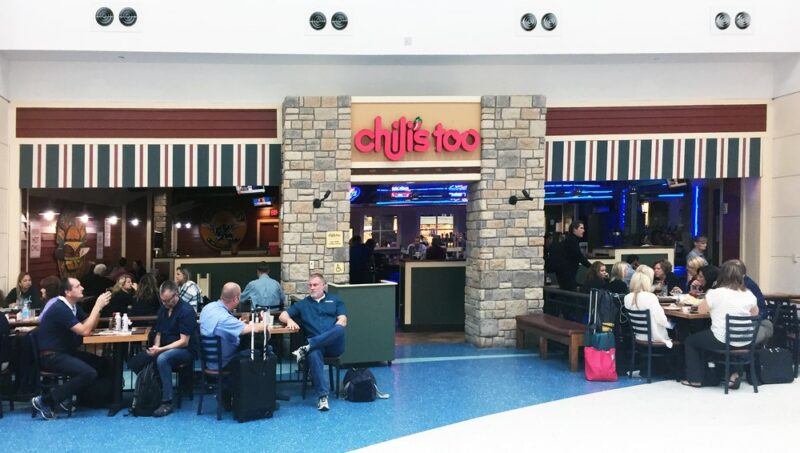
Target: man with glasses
pixel 175 342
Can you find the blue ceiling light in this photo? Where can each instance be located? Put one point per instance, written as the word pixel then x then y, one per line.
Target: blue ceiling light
pixel 696 212
pixel 670 195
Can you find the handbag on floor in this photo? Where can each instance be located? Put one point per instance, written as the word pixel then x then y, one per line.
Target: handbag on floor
pixel 360 386
pixel 599 353
pixel 600 365
pixel 774 366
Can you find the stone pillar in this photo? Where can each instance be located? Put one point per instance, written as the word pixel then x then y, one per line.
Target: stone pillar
pixel 316 158
pixel 505 259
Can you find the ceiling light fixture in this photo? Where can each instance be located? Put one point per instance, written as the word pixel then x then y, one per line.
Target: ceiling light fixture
pixel 135 221
pixel 113 220
pixel 49 215
pixel 104 16
pixel 84 218
pixel 317 21
pixel 722 21
pixel 339 20
pixel 528 22
pixel 742 20
pixel 549 21
pixel 128 17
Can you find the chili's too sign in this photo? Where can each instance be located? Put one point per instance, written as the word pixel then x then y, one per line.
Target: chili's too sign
pixel 401 137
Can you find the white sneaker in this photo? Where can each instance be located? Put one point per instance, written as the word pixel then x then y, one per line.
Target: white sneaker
pixel 322 404
pixel 300 354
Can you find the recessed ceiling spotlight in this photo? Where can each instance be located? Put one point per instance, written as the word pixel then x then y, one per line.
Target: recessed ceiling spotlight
pixel 722 21
pixel 742 20
pixel 104 16
pixel 317 21
pixel 127 17
pixel 528 22
pixel 549 21
pixel 339 20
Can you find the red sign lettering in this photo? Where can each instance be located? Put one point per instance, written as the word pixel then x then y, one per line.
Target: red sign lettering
pixel 407 136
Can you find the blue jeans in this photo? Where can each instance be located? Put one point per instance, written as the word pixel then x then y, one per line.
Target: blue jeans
pixel 165 362
pixel 80 366
pixel 327 344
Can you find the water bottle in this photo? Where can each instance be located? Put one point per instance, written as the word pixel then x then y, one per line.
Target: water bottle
pixel 126 323
pixel 26 310
pixel 117 321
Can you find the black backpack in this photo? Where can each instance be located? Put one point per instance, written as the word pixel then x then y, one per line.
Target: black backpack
pixel 147 394
pixel 360 386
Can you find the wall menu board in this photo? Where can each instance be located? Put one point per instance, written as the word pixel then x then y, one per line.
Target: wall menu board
pixel 411 194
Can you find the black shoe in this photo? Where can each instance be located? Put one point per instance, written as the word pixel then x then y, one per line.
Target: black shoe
pixel 67 407
pixel 43 409
pixel 163 410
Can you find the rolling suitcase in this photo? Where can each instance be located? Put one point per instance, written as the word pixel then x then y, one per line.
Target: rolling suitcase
pixel 254 385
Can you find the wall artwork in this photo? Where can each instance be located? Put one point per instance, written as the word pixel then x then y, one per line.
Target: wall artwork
pixel 223 229
pixel 71 246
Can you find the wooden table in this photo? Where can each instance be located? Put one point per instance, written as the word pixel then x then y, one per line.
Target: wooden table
pixel 120 346
pixel 32 322
pixel 682 315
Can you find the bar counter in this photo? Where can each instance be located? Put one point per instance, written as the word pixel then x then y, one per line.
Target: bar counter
pixel 432 295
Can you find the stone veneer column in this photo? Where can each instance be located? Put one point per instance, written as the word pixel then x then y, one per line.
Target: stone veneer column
pixel 316 158
pixel 505 263
pixel 160 219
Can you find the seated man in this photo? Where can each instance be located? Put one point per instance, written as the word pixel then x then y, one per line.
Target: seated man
pixel 61 327
pixel 324 318
pixel 264 291
pixel 175 330
pixel 216 319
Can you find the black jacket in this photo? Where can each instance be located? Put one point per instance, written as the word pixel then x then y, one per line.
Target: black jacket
pixel 566 256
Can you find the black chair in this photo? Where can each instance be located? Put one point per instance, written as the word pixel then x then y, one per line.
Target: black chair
pixel 787 331
pixel 641 325
pixel 333 363
pixel 184 374
pixel 211 354
pixel 740 329
pixel 5 377
pixel 45 380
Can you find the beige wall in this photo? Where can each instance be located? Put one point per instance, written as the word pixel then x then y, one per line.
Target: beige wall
pixel 780 243
pixel 6 270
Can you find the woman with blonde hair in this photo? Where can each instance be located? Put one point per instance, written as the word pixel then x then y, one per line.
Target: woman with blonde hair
pixel 121 296
pixel 692 266
pixel 641 297
pixel 24 292
pixel 617 284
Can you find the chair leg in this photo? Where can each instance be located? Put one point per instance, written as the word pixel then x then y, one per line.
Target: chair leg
pixel 330 378
pixel 649 365
pixel 338 381
pixel 753 375
pixel 180 389
pixel 219 397
pixel 727 372
pixel 305 382
pixel 632 361
pixel 203 388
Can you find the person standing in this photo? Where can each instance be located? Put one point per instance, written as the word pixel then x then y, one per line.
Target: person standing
pixel 189 291
pixel 323 318
pixel 264 291
pixel 359 262
pixel 61 326
pixel 566 256
pixel 699 250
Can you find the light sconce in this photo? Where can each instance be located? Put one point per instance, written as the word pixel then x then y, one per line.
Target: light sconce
pixel 526 196
pixel 187 225
pixel 135 221
pixel 178 225
pixel 318 201
pixel 49 215
pixel 112 220
pixel 84 218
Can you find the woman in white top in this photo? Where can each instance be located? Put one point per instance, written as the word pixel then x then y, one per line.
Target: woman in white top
pixel 641 297
pixel 730 297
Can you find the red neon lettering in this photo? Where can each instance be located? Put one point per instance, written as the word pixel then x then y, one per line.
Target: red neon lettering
pixel 367 147
pixel 476 140
pixel 402 138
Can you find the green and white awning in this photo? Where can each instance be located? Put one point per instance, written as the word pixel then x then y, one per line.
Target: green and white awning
pixel 635 158
pixel 140 164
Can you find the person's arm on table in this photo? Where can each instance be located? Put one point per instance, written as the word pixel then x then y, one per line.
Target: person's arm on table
pixel 286 319
pixel 86 327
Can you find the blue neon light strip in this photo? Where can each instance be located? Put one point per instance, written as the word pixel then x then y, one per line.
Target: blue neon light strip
pixel 670 195
pixel 623 213
pixel 413 202
pixel 588 197
pixel 696 212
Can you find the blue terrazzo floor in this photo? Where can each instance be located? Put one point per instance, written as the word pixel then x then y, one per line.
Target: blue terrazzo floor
pixel 431 385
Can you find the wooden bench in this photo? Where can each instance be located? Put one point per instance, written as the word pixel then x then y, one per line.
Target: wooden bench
pixel 548 327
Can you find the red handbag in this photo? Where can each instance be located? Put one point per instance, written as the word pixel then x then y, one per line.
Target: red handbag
pixel 600 365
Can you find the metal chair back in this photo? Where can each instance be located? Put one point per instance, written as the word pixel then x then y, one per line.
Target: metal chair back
pixel 640 323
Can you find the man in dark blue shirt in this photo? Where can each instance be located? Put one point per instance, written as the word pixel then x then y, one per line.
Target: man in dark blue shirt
pixel 61 327
pixel 324 318
pixel 175 329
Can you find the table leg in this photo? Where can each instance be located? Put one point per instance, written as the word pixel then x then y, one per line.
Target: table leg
pixel 118 355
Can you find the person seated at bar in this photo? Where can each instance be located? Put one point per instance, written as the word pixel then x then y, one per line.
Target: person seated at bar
pixel 692 266
pixel 146 301
pixel 121 297
pixel 24 292
pixel 96 282
pixel 264 291
pixel 359 262
pixel 641 297
pixel 436 251
pixel 617 284
pixel 323 318
pixel 700 246
pixel 665 281
pixel 729 297
pixel 189 291
pixel 217 319
pixel 596 277
pixel 61 327
pixel 175 342
pixel 417 249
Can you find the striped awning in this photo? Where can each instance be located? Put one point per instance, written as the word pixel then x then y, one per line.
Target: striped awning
pixel 148 164
pixel 634 158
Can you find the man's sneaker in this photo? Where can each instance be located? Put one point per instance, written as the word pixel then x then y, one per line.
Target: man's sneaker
pixel 322 404
pixel 300 354
pixel 163 410
pixel 43 409
pixel 67 407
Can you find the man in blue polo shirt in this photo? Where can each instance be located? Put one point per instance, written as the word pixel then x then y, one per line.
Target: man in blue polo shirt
pixel 264 291
pixel 323 318
pixel 216 319
pixel 62 325
pixel 175 330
